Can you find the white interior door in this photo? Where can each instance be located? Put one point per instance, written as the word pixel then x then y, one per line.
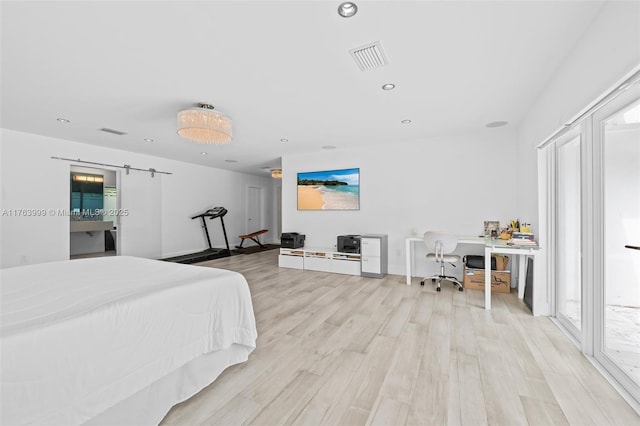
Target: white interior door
pixel 278 232
pixel 140 219
pixel 254 209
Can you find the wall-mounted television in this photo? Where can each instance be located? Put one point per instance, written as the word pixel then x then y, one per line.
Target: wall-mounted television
pixel 329 190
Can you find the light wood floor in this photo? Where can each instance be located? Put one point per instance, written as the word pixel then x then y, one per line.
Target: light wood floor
pixel 343 350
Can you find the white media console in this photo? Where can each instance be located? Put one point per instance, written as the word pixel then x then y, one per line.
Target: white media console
pixel 320 259
pixel 329 260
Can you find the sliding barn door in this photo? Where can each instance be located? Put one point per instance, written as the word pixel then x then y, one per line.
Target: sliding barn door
pixel 140 220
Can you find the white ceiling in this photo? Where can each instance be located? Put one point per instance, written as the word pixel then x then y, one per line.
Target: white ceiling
pixel 279 69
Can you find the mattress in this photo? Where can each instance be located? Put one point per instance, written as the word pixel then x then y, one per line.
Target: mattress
pixel 79 337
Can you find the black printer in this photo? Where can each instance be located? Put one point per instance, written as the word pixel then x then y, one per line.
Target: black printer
pixel 349 243
pixel 291 240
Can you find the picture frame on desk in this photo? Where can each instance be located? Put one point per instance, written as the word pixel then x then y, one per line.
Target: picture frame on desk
pixel 491 228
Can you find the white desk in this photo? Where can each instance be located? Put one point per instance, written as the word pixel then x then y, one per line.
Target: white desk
pixel 490 246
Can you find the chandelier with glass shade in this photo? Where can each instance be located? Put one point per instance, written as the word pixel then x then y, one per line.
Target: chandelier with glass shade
pixel 203 124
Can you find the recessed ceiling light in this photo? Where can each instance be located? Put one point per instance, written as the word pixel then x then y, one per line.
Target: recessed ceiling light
pixel 347 9
pixel 406 121
pixel 204 153
pixel 388 86
pixel 148 140
pixel 63 120
pixel 497 124
pixel 284 140
pixel 328 147
pixel 230 161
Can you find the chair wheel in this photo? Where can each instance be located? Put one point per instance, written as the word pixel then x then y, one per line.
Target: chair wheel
pixel 437 288
pixel 422 283
pixel 460 288
pixel 433 280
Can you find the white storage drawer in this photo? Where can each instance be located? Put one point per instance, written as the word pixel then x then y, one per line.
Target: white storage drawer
pixel 295 262
pixel 345 267
pixel 317 264
pixel 371 264
pixel 370 246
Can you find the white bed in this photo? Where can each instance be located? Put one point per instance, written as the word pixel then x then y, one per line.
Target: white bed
pixel 116 340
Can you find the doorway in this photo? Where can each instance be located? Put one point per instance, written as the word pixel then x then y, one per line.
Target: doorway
pixel 93 222
pixel 253 221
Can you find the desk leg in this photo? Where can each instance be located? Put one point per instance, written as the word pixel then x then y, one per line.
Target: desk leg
pixel 487 277
pixel 522 274
pixel 409 256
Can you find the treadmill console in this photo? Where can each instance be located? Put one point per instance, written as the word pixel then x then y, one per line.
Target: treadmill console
pixel 216 212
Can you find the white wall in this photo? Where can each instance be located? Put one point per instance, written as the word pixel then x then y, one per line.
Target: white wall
pixel 30 179
pixel 451 183
pixel 608 50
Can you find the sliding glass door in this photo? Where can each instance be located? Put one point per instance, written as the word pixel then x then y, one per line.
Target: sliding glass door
pixel 567 231
pixel 616 129
pixel 591 215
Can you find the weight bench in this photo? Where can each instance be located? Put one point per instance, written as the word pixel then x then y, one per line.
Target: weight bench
pixel 252 237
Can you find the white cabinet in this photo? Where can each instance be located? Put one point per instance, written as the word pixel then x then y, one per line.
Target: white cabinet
pixel 370 262
pixel 345 263
pixel 370 265
pixel 373 249
pixel 291 258
pixel 318 259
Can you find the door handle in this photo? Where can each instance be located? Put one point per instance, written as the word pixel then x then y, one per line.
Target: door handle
pixel 632 247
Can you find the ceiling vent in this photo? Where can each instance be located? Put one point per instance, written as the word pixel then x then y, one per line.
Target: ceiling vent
pixel 370 56
pixel 115 132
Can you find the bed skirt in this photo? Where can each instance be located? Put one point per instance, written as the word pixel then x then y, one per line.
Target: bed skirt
pixel 150 405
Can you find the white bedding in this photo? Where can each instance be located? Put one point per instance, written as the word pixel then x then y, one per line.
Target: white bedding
pixel 80 336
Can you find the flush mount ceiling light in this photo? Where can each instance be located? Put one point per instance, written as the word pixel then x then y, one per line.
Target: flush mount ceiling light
pixel 388 86
pixel 347 9
pixel 276 173
pixel 63 120
pixel 204 125
pixel 406 121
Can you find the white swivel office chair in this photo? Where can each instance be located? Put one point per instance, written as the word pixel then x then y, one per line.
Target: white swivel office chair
pixel 440 245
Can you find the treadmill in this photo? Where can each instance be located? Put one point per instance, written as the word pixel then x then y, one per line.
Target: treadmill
pixel 210 253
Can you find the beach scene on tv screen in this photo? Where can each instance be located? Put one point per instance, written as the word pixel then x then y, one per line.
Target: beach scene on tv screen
pixel 329 190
